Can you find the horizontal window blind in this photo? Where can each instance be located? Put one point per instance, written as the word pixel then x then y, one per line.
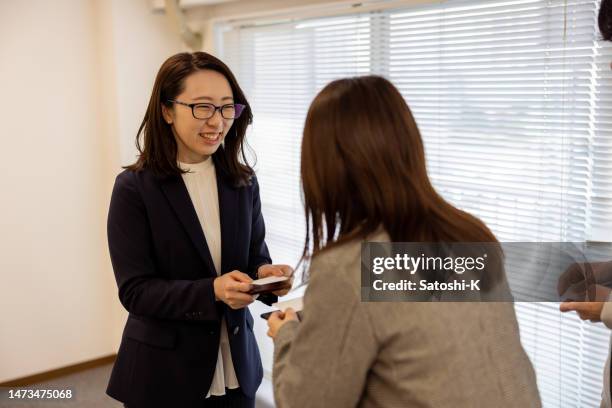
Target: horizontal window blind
pixel 513 99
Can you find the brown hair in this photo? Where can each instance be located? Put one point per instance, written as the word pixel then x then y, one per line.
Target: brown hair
pixel 363 167
pixel 158 150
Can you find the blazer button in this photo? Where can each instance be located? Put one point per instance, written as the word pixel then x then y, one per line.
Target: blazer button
pixel 236 330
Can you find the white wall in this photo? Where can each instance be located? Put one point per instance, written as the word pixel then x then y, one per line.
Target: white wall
pixel 139 41
pixel 75 78
pixel 142 41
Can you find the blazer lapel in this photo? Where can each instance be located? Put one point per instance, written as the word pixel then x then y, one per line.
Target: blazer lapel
pixel 178 196
pixel 228 217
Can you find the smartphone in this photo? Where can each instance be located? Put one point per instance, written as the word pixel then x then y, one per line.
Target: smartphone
pixel 267 315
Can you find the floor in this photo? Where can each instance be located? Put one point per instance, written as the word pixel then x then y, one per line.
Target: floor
pixel 89 391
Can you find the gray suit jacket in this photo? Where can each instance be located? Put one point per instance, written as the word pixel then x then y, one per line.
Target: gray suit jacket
pixel 606 318
pixel 348 353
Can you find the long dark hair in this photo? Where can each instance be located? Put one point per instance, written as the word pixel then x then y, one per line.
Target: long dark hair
pixel 158 146
pixel 605 19
pixel 363 167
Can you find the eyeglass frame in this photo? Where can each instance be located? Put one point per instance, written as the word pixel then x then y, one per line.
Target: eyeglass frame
pixel 240 108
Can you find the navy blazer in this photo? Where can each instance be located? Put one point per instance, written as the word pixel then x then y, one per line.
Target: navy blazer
pixel 165 275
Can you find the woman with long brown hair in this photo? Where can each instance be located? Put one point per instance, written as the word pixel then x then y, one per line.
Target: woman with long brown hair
pixel 186 239
pixel 365 179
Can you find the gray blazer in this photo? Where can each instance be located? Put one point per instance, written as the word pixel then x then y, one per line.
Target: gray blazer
pixel 606 318
pixel 347 353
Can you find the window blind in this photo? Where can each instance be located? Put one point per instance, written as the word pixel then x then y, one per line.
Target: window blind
pixel 513 100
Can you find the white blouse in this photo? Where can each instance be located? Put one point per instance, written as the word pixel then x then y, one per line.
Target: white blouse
pixel 201 184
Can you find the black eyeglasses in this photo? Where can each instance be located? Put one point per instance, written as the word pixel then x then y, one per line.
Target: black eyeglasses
pixel 207 110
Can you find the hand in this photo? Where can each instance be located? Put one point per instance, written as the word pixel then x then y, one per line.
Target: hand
pixel 586 310
pixel 277 270
pixel 230 288
pixel 278 319
pixel 585 282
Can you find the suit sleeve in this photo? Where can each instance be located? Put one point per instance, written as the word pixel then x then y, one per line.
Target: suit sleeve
pixel 258 250
pixel 317 362
pixel 141 290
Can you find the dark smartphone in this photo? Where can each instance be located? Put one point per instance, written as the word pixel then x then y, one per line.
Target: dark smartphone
pixel 266 315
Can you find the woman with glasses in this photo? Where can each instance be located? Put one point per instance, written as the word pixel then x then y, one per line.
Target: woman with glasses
pixel 365 179
pixel 186 238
